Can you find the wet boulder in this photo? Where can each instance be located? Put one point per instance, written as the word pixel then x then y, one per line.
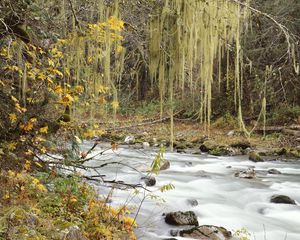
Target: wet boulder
pixel 255 157
pixel 174 233
pixel 282 199
pixel 208 146
pixel 129 140
pixel 182 218
pixel 180 146
pixel 207 232
pixel 192 202
pixel 166 165
pixel 219 151
pixel 149 181
pixel 248 173
pixel 274 171
pixel 146 145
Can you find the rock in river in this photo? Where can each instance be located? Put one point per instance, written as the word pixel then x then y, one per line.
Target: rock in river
pixel 129 140
pixel 149 181
pixel 192 202
pixel 282 199
pixel 146 145
pixel 182 218
pixel 166 165
pixel 207 232
pixel 274 171
pixel 248 173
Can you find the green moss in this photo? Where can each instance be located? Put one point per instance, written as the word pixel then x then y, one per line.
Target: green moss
pixel 219 151
pixel 254 156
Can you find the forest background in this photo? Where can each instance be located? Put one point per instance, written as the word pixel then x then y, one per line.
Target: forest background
pixel 77 69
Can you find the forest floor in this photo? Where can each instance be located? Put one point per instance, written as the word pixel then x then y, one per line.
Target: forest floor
pixel 191 135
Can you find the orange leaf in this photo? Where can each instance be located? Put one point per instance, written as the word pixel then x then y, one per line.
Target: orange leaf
pixel 114 146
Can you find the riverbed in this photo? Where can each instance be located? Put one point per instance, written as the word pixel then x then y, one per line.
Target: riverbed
pixel 223 200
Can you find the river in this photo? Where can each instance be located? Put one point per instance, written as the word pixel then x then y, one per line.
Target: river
pixel 223 200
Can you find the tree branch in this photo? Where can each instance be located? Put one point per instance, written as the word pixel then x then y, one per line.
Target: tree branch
pixel 283 28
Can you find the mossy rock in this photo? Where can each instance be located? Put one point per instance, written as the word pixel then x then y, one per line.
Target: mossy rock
pixel 219 151
pixel 255 157
pixel 294 153
pixel 113 136
pixel 208 146
pixel 181 218
pixel 242 144
pixel 207 232
pixel 281 151
pixel 180 145
pixel 190 145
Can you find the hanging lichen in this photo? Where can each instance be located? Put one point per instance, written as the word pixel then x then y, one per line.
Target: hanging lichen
pixel 94 61
pixel 188 38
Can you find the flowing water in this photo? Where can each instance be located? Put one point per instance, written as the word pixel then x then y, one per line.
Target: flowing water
pixel 223 200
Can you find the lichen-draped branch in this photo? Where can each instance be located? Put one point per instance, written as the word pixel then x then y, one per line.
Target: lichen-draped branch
pixel 188 39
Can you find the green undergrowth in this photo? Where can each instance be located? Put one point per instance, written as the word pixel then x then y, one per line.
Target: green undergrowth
pixel 49 206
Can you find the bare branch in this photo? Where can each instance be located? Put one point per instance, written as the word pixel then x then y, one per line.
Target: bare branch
pixel 283 28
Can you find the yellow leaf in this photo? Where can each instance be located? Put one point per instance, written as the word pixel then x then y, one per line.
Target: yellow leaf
pixel 114 146
pixel 102 100
pixel 43 150
pixel 14 99
pixel 119 49
pixel 61 41
pixel 3 52
pixel 115 23
pixel 41 188
pixel 115 105
pixel 102 89
pixel 90 60
pixel 58 89
pixel 58 73
pixel 73 199
pixel 11 173
pixel 38 164
pixel 44 129
pixel 89 133
pixel 67 99
pixel 41 76
pixel 11 146
pixel 51 62
pixel 12 117
pixel 19 108
pixel 35 181
pixel 67 71
pixel 6 196
pixel 39 139
pixel 79 89
pixel 27 165
pixel 29 125
pixel 29 152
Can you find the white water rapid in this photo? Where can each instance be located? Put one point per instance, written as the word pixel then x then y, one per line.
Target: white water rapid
pixel 223 200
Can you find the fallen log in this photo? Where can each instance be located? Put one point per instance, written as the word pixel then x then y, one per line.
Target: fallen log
pixel 293 130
